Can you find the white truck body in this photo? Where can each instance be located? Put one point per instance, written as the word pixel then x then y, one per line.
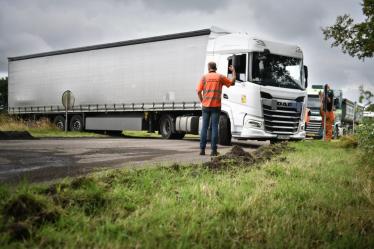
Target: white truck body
pixel 130 81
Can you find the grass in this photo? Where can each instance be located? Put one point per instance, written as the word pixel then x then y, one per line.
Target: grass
pixel 56 133
pixel 145 134
pixel 318 196
pixel 38 128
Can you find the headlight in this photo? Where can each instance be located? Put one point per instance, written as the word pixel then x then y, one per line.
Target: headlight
pixel 250 123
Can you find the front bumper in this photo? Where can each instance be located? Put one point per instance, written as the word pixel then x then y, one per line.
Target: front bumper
pixel 258 134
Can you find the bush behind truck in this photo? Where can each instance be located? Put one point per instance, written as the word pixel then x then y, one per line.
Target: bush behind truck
pixel 149 84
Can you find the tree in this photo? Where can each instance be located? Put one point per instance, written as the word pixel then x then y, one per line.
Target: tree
pixel 370 108
pixel 356 39
pixel 3 92
pixel 365 97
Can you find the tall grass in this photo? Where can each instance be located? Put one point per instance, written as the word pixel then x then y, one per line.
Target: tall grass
pixel 15 123
pixel 319 196
pixel 41 127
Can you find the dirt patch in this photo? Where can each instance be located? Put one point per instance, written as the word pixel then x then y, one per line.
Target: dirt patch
pixel 238 157
pixel 24 213
pixel 10 135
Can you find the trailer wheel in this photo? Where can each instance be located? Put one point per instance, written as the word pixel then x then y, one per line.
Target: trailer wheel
pixel 167 127
pixel 59 122
pixel 76 123
pixel 224 131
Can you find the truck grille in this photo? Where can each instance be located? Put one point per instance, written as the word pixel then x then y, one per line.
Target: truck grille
pixel 281 116
pixel 313 127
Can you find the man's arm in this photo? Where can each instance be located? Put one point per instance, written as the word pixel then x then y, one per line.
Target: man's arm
pixel 200 95
pixel 233 79
pixel 200 88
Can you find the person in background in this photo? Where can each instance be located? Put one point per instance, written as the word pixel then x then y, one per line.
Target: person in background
pixel 328 100
pixel 307 117
pixel 209 91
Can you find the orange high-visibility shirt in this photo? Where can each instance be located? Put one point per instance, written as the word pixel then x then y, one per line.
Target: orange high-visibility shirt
pixel 211 85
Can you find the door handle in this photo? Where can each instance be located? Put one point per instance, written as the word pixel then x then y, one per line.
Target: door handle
pixel 225 96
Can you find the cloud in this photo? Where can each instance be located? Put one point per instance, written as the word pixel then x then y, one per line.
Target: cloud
pixel 185 6
pixel 43 25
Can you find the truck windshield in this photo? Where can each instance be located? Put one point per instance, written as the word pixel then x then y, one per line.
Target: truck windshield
pixel 313 102
pixel 276 70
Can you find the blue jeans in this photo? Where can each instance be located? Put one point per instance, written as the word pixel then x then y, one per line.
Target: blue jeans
pixel 210 116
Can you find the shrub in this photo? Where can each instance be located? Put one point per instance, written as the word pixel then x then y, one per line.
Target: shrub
pixel 348 141
pixel 365 137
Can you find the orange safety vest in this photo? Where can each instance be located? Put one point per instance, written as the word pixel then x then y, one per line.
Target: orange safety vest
pixel 211 85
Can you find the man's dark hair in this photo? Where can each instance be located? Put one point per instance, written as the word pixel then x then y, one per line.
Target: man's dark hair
pixel 212 66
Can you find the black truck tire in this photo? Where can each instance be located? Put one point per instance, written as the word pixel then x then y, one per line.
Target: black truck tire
pixel 167 127
pixel 224 131
pixel 59 122
pixel 76 123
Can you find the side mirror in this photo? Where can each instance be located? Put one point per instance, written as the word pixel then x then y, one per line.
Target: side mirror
pixel 306 76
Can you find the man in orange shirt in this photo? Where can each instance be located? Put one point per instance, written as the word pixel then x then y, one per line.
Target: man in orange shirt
pixel 209 91
pixel 327 101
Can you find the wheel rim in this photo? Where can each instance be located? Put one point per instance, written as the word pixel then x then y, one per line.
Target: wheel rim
pixel 60 125
pixel 77 125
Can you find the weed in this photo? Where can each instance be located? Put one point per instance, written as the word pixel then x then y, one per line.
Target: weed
pixel 348 141
pixel 23 207
pixel 19 231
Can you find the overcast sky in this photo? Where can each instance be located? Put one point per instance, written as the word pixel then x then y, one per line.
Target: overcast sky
pixel 33 26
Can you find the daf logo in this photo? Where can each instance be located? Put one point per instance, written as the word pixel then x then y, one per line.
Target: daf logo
pixel 284 104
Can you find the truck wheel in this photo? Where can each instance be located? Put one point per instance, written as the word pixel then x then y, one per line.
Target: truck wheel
pixel 224 131
pixel 167 127
pixel 76 123
pixel 59 122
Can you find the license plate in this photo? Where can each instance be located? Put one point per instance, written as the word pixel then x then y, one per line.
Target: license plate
pixel 283 137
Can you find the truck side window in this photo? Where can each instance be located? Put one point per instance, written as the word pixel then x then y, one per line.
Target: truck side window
pixel 240 68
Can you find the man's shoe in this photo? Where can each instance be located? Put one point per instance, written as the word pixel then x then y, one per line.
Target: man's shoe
pixel 202 152
pixel 214 153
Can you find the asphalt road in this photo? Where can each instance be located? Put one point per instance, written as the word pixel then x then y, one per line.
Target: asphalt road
pixel 49 159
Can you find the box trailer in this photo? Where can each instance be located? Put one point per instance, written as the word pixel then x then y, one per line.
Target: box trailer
pixel 149 84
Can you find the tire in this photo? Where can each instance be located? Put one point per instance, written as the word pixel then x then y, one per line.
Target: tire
pixel 76 123
pixel 224 131
pixel 167 127
pixel 59 122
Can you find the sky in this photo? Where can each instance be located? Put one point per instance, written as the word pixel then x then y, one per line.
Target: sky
pixel 36 26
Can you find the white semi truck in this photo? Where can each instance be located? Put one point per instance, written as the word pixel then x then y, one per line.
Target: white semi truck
pixel 149 84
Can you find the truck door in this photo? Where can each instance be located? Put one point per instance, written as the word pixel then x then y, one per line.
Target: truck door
pixel 235 96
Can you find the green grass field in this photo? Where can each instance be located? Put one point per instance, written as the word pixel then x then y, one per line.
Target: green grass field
pixel 318 196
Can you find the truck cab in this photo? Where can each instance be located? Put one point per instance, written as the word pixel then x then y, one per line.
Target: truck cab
pixel 269 98
pixel 314 128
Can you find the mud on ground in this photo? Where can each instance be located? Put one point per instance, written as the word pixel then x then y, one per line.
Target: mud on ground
pixel 237 157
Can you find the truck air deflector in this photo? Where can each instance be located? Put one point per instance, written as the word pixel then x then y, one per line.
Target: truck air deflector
pixel 116 44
